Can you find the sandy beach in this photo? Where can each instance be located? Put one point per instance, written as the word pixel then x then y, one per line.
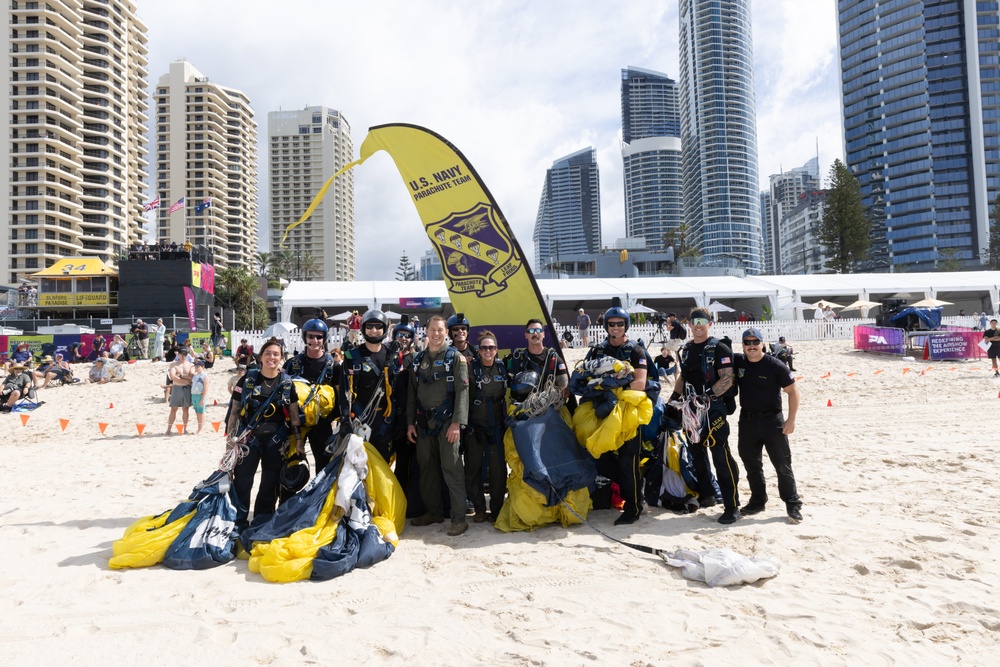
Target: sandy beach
pixel 897 560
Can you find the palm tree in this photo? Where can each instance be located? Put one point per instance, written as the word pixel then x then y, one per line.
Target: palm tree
pixel 237 288
pixel 264 262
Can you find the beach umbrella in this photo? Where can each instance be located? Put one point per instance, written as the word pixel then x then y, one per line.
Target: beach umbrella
pixel 861 303
pixel 391 314
pixel 717 307
pixel 931 303
pixel 341 316
pixel 823 304
pixel 639 308
pixel 281 329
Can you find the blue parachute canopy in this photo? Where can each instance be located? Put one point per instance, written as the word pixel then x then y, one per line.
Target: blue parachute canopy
pixel 930 318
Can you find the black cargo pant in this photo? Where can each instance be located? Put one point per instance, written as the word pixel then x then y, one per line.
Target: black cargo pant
pixel 714 445
pixel 760 431
pixel 622 466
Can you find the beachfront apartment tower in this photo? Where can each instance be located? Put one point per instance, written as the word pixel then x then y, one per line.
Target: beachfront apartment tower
pixel 305 148
pixel 921 109
pixel 721 195
pixel 786 191
pixel 76 112
pixel 651 156
pixel 206 153
pixel 569 211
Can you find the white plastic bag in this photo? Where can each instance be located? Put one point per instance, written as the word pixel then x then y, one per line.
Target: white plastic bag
pixel 722 567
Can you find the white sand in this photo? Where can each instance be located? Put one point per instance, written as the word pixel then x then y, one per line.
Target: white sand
pixel 896 561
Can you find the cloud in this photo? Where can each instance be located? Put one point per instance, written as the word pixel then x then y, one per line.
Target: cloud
pixel 514 85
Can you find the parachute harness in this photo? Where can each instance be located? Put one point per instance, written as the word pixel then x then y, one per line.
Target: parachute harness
pixel 694 415
pixel 539 401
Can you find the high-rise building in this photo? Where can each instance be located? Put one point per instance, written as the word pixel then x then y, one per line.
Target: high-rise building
pixel 921 108
pixel 719 132
pixel 801 251
pixel 305 149
pixel 569 212
pixel 206 155
pixel 786 190
pixel 76 155
pixel 651 155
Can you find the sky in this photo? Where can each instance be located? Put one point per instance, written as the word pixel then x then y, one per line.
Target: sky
pixel 514 85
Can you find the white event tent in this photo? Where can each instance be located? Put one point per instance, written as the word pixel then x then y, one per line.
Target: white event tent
pixel 980 289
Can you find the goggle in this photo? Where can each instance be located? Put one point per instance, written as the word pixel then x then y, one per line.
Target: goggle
pixel 700 321
pixel 536 330
pixel 460 328
pixel 753 342
pixel 403 334
pixel 616 323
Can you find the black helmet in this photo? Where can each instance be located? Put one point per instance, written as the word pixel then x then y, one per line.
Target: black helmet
pixel 294 475
pixel 523 384
pixel 458 319
pixel 404 326
pixel 315 325
pixel 617 312
pixel 377 316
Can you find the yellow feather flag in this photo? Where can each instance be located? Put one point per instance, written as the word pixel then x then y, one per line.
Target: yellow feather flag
pixel 482 262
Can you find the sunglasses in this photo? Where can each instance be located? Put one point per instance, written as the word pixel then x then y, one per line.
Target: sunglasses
pixel 753 342
pixel 616 324
pixel 536 330
pixel 375 326
pixel 314 336
pixel 488 348
pixel 453 329
pixel 700 322
pixel 403 334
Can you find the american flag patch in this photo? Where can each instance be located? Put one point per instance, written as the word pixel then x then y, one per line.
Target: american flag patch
pixel 725 360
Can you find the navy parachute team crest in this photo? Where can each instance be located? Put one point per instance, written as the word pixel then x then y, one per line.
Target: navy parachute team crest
pixel 476 250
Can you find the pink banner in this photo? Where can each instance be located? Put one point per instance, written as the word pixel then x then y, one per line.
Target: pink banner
pixel 189 302
pixel 879 339
pixel 208 278
pixel 956 345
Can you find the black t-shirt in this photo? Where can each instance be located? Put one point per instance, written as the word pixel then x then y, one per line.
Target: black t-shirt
pixel 469 352
pixel 542 363
pixel 310 369
pixel 691 366
pixel 368 376
pixel 142 331
pixel 994 345
pixel 664 362
pixel 761 382
pixel 263 390
pixel 637 358
pixel 677 331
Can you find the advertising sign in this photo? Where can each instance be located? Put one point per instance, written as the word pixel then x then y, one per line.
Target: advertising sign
pixel 884 340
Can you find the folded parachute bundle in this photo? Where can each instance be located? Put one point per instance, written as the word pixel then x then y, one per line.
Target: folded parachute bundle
pixel 316 401
pixel 609 412
pixel 197 534
pixel 548 471
pixel 349 515
pixel 669 478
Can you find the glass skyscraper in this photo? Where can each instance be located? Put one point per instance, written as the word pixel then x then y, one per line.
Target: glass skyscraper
pixel 921 108
pixel 651 155
pixel 569 211
pixel 719 132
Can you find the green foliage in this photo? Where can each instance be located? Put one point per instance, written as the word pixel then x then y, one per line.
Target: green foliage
pixel 845 232
pixel 948 260
pixel 237 289
pixel 766 313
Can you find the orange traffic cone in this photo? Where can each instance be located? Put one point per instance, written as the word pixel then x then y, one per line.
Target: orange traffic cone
pixel 24 419
pixel 140 428
pixel 111 406
pixel 180 428
pixel 216 426
pixel 829 403
pixel 63 423
pixel 103 426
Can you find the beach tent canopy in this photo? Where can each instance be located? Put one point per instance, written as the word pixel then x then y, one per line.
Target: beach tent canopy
pixel 76 267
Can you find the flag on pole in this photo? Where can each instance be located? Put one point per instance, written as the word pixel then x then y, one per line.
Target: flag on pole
pixel 202 206
pixel 176 206
pixel 151 205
